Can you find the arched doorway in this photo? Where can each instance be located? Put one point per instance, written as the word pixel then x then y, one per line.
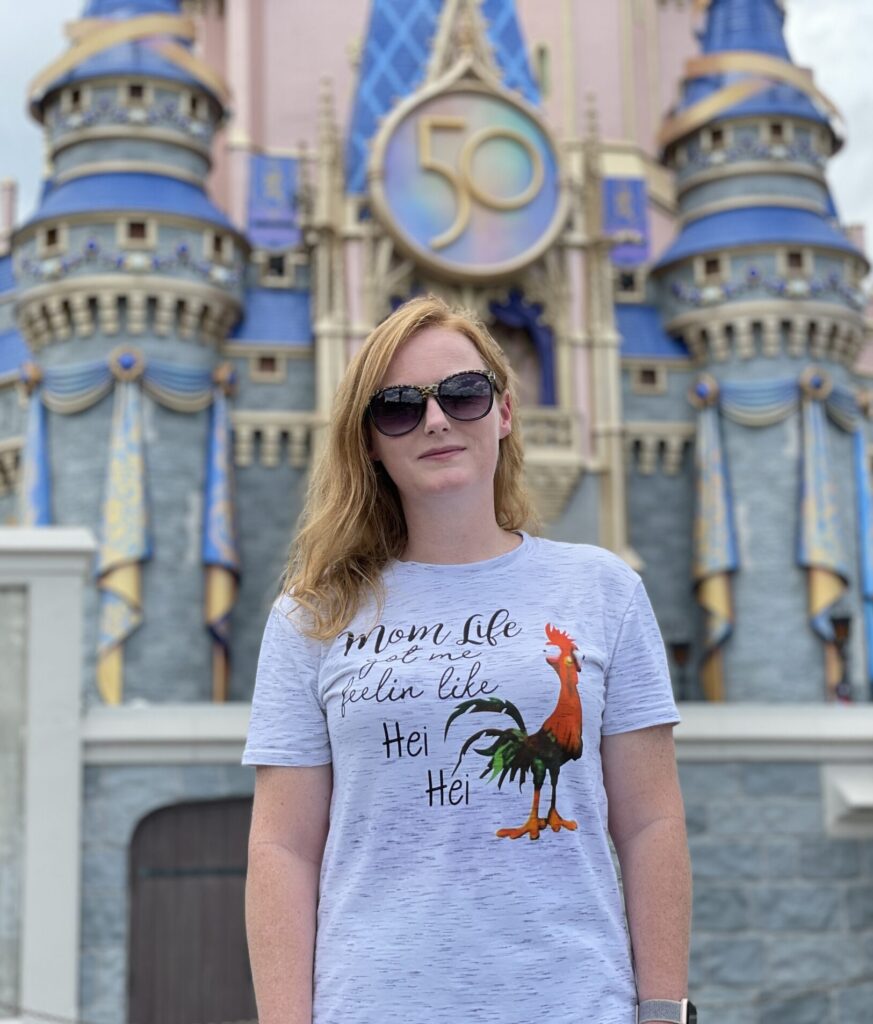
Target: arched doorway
pixel 188 955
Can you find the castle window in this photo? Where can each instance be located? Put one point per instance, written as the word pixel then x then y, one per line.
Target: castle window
pixel 627 281
pixel 795 262
pixel 136 92
pixel 194 106
pixel 716 138
pixel 51 241
pixel 777 132
pixel 75 99
pixel 218 246
pixel 276 268
pixel 137 234
pixel 268 369
pixel 629 284
pixel 712 268
pixel 648 379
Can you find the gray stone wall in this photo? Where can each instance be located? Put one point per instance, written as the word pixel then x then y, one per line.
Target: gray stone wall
pixel 579 523
pixel 13 633
pixel 661 510
pixel 268 504
pixel 115 800
pixel 295 392
pixel 783 915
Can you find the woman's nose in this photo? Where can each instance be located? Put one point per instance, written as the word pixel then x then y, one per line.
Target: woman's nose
pixel 435 420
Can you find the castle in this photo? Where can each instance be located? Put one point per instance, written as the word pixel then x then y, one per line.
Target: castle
pixel 634 197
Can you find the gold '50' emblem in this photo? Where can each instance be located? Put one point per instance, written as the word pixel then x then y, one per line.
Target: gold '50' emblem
pixel 461 178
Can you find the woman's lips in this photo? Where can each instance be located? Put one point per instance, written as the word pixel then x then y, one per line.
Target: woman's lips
pixel 441 453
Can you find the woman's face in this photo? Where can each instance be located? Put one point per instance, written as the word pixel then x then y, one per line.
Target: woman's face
pixel 441 455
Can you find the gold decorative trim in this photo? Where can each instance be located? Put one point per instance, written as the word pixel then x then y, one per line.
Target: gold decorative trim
pixel 245 350
pixel 108 132
pixel 97 36
pixel 747 202
pixel 129 167
pixel 744 168
pixel 637 362
pixel 766 70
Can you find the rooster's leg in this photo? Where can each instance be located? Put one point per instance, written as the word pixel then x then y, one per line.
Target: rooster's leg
pixel 531 827
pixel 554 820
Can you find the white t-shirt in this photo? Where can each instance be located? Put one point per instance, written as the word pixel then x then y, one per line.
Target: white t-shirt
pixel 426 915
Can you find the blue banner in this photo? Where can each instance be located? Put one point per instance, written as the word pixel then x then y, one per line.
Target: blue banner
pixel 272 216
pixel 626 219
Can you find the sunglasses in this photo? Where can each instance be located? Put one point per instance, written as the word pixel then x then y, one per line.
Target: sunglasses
pixel 465 396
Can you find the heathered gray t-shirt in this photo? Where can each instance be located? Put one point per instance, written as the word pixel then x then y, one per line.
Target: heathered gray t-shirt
pixel 477 683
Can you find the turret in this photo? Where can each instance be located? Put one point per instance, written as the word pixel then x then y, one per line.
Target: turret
pixel 129 280
pixel 762 285
pixel 125 238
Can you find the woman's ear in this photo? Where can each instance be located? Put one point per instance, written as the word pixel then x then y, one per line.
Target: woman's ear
pixel 505 415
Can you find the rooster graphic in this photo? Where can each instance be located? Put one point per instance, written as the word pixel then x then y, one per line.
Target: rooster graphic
pixel 515 753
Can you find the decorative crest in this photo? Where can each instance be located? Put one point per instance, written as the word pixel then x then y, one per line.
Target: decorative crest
pixel 461 36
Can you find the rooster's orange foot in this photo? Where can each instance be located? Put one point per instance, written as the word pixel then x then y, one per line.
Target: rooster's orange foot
pixel 530 828
pixel 557 822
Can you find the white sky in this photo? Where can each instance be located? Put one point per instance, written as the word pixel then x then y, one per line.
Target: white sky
pixel 834 38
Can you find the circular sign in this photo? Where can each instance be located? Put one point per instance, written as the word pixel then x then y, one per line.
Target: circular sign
pixel 468 182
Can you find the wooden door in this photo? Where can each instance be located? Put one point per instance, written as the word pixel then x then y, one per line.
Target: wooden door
pixel 188 957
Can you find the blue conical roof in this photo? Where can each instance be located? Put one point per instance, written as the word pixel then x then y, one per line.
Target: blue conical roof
pixel 745 25
pixel 756 26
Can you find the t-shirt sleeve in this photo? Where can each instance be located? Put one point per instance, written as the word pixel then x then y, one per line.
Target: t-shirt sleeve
pixel 638 688
pixel 288 724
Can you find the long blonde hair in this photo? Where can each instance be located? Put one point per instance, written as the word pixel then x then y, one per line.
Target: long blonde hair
pixel 352 524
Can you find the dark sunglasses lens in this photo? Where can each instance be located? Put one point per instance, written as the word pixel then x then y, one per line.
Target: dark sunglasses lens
pixel 396 411
pixel 466 396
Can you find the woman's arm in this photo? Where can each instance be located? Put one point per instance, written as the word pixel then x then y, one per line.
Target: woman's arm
pixel 289 827
pixel 647 825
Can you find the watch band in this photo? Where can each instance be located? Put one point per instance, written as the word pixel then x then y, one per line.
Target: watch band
pixel 681 1012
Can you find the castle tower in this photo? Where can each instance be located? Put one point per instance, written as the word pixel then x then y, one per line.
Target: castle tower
pixel 128 282
pixel 762 286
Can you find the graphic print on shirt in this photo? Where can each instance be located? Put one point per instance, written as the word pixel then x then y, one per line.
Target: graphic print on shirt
pixel 515 752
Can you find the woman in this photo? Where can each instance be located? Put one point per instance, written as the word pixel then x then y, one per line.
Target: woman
pixel 433 651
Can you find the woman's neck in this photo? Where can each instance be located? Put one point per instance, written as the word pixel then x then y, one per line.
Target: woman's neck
pixel 453 538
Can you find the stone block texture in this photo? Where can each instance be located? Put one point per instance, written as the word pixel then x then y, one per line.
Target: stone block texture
pixel 783 914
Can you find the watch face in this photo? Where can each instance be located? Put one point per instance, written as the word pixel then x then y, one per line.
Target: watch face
pixel 692 1014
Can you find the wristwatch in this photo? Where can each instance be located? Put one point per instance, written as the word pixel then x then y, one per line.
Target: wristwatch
pixel 683 1012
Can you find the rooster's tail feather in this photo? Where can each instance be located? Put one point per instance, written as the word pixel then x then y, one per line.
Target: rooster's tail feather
pixel 487 704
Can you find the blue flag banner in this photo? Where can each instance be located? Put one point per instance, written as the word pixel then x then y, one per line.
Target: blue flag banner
pixel 125 544
pixel 272 216
pixel 626 219
pixel 36 483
